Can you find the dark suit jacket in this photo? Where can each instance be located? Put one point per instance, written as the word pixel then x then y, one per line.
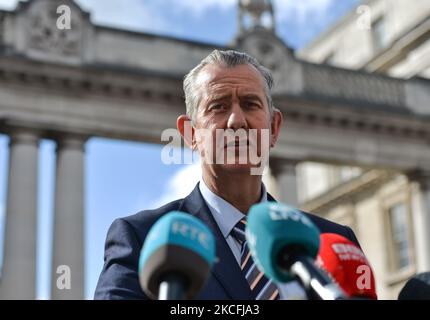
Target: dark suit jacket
pixel 119 277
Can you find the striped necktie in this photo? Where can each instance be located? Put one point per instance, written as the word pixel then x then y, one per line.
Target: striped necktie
pixel 261 286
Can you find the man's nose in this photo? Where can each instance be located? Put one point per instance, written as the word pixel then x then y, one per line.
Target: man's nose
pixel 237 119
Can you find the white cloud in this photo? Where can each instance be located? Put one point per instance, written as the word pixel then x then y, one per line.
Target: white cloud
pixel 201 6
pixel 127 14
pixel 180 185
pixel 300 11
pixel 148 12
pixel 149 15
pixel 8 4
pixel 299 22
pixel 284 8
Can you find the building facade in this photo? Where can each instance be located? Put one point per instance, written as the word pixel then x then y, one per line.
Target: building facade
pixel 390 37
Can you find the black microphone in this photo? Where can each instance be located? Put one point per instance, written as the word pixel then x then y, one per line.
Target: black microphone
pixel 416 288
pixel 176 257
pixel 284 244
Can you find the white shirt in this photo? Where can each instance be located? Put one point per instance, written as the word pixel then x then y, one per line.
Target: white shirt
pixel 227 216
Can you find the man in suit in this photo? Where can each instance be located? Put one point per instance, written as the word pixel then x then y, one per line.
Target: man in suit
pixel 230 91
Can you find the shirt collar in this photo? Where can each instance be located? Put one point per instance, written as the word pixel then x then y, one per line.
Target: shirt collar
pixel 225 214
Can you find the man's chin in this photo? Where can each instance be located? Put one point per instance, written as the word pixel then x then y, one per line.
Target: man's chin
pixel 239 168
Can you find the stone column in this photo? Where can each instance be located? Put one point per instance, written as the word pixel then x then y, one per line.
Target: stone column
pixel 284 171
pixel 68 247
pixel 421 219
pixel 18 277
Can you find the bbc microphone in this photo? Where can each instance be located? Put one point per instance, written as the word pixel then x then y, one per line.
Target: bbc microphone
pixel 284 244
pixel 176 257
pixel 346 263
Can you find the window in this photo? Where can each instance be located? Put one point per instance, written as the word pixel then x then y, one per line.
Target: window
pixel 379 35
pixel 349 173
pixel 337 175
pixel 399 237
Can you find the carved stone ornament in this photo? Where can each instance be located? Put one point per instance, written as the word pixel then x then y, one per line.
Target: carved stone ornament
pixel 47 30
pixel 268 50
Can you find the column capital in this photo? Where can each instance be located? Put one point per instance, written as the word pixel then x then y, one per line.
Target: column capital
pixel 21 136
pixel 71 142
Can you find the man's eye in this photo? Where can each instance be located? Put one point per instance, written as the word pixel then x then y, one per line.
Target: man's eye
pixel 251 104
pixel 216 107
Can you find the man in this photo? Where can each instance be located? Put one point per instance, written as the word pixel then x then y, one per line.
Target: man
pixel 227 91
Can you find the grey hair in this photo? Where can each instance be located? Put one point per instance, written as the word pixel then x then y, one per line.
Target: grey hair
pixel 228 59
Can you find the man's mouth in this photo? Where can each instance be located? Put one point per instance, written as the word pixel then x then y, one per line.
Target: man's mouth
pixel 237 144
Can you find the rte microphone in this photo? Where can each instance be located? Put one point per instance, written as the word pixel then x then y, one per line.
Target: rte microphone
pixel 346 263
pixel 284 243
pixel 417 288
pixel 176 257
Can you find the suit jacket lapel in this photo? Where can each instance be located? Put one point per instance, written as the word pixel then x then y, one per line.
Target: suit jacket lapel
pixel 270 198
pixel 226 269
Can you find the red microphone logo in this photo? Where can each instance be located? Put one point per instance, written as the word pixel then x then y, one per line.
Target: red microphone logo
pixel 347 265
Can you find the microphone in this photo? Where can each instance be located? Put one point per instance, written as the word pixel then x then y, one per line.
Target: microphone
pixel 417 288
pixel 346 263
pixel 176 257
pixel 284 244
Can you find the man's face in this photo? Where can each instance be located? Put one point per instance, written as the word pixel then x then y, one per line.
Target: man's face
pixel 233 110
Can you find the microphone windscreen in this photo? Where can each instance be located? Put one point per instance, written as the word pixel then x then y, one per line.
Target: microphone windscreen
pixel 270 228
pixel 177 244
pixel 416 288
pixel 347 265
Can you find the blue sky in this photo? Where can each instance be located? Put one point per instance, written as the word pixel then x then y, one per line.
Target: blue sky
pixel 123 178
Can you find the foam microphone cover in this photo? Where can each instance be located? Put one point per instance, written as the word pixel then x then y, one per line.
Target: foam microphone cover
pixel 347 265
pixel 178 244
pixel 273 227
pixel 416 288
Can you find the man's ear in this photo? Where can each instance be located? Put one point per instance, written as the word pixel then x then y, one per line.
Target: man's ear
pixel 276 125
pixel 186 130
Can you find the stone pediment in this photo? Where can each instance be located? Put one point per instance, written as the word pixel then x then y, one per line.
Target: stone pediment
pixel 52 31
